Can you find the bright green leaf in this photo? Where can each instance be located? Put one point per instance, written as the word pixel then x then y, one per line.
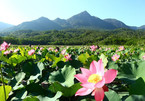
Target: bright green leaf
pixel 53 58
pixel 83 57
pixel 104 59
pixel 112 96
pixel 2 96
pixel 141 55
pixel 141 70
pixel 15 59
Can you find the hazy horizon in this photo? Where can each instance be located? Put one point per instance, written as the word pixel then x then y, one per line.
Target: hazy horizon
pixel 17 11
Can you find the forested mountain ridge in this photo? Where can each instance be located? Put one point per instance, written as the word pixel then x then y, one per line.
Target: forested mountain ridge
pixel 82 20
pixel 120 36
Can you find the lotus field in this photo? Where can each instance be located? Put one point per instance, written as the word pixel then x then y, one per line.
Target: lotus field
pixel 85 73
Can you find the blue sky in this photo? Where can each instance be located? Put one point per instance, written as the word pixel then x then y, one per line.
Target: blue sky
pixel 131 12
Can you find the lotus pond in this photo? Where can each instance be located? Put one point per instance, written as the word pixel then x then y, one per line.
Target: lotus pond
pixel 87 73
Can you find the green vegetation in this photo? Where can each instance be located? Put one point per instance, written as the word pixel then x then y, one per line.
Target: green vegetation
pixel 49 73
pixel 75 37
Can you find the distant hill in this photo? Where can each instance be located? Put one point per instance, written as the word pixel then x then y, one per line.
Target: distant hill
pixel 4 26
pixel 133 27
pixel 142 27
pixel 82 20
pixel 116 23
pixel 40 24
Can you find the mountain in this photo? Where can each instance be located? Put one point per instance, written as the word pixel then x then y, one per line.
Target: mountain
pixel 40 24
pixel 63 23
pixel 85 20
pixel 142 27
pixel 82 20
pixel 136 28
pixel 116 23
pixel 4 26
pixel 133 27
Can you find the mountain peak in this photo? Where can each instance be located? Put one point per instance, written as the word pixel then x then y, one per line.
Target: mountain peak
pixel 42 18
pixel 84 13
pixel 58 19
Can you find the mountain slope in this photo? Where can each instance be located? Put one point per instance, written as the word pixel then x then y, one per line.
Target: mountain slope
pixel 4 26
pixel 40 24
pixel 85 20
pixel 116 23
pixel 142 27
pixel 63 23
pixel 133 27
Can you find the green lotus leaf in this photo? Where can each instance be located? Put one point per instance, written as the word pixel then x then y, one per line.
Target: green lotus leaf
pixel 65 76
pixel 2 95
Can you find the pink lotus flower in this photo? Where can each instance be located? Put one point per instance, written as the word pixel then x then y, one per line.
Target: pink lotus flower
pixel 117 50
pixel 4 46
pixel 41 48
pixel 106 49
pixel 68 57
pixel 16 50
pixel 63 51
pixel 94 80
pixel 121 48
pixel 143 57
pixel 32 51
pixel 115 57
pixel 93 47
pixel 7 52
pixel 50 49
pixel 100 48
pixel 56 50
pixel 67 47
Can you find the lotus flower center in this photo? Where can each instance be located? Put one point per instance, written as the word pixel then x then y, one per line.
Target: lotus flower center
pixel 115 57
pixel 94 78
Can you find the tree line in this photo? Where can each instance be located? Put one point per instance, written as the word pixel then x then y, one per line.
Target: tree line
pixel 120 36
